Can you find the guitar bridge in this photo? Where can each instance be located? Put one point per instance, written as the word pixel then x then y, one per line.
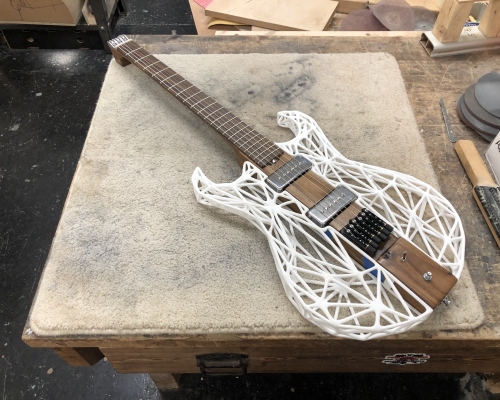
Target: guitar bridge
pixel 367 231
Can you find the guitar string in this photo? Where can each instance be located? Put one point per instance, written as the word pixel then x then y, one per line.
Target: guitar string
pixel 186 100
pixel 151 64
pixel 145 67
pixel 223 119
pixel 180 95
pixel 324 189
pixel 201 102
pixel 227 130
pixel 246 127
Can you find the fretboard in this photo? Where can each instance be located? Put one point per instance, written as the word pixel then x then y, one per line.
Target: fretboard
pixel 254 145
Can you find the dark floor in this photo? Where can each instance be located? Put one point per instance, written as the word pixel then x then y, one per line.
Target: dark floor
pixel 47 99
pixel 153 17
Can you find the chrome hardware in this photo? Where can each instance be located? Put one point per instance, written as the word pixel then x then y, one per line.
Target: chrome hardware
pixel 446 301
pixel 428 276
pixel 387 255
pixel 333 204
pixel 118 41
pixel 404 256
pixel 224 364
pixel 447 122
pixel 288 173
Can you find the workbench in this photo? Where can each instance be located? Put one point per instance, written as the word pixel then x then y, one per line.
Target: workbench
pixel 476 350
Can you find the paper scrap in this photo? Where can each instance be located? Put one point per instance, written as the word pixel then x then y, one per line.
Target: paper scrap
pixel 203 3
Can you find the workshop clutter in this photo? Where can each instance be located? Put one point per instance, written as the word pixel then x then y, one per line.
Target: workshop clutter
pixel 479 106
pixel 389 15
pixel 41 11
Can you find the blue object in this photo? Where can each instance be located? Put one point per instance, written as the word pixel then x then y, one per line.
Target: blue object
pixel 368 264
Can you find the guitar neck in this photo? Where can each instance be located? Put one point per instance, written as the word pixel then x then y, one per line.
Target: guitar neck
pixel 251 143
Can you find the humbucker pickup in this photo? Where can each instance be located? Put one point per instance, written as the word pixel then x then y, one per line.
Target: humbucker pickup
pixel 288 173
pixel 333 204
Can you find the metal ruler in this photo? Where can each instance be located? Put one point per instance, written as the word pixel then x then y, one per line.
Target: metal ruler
pixel 447 122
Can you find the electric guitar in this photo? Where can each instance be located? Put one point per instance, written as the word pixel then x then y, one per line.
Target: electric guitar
pixel 362 251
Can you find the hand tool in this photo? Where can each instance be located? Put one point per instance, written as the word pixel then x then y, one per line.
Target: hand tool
pixel 486 191
pixel 447 122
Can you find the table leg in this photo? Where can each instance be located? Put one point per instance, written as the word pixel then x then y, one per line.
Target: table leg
pixel 165 381
pixel 79 356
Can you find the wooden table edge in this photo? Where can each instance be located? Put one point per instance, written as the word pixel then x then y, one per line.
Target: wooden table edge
pixel 85 348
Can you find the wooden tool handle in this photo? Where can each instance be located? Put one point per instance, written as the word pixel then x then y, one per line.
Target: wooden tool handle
pixel 473 164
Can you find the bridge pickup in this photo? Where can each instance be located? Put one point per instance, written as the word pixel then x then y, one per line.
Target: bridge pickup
pixel 288 173
pixel 333 204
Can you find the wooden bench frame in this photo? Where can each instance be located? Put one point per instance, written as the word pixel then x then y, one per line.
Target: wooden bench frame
pixel 454 14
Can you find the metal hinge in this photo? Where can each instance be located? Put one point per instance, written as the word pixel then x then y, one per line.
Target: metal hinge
pixel 225 364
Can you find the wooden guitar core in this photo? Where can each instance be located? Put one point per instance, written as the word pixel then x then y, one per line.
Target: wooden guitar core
pixel 411 272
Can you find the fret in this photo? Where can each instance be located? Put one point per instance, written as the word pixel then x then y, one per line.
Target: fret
pixel 235 137
pixel 170 77
pixel 172 87
pixel 178 94
pixel 137 60
pixel 244 127
pixel 260 144
pixel 142 52
pixel 247 137
pixel 221 108
pixel 214 121
pixel 196 94
pixel 263 148
pixel 254 145
pixel 147 55
pixel 220 126
pixel 198 102
pixel 156 62
pixel 203 109
pixel 258 155
pixel 128 54
pixel 156 73
pixel 180 88
pixel 247 141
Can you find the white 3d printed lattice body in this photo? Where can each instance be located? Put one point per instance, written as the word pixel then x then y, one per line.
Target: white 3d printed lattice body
pixel 326 286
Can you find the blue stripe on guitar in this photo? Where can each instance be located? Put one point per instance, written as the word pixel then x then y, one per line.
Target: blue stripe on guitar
pixel 366 263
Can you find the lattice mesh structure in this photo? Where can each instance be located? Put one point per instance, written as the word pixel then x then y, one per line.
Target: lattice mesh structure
pixel 326 286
